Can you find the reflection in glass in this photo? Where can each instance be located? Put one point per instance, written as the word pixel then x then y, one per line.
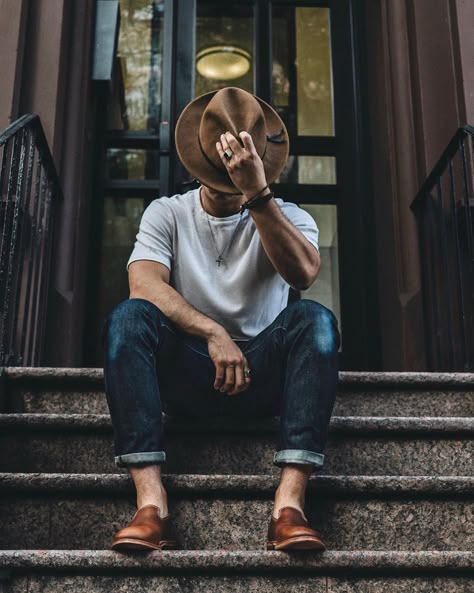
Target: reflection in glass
pixel 137 100
pixel 325 290
pixel 302 69
pixel 224 26
pixel 309 170
pixel 125 163
pixel 223 62
pixel 121 220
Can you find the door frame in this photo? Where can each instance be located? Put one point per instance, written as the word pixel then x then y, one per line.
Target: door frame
pixel 353 193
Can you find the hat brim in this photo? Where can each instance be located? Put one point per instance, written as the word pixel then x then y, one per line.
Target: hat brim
pixel 190 154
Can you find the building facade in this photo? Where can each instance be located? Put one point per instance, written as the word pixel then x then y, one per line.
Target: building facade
pixel 371 92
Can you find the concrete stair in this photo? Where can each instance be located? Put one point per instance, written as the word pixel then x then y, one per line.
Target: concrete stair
pixel 395 500
pixel 75 443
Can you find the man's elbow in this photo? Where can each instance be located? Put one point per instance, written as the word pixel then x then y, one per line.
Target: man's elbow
pixel 307 275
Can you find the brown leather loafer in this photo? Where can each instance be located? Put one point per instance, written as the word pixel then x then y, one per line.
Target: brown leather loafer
pixel 146 531
pixel 292 532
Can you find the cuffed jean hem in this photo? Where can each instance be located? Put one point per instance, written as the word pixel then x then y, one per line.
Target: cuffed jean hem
pixel 149 457
pixel 298 456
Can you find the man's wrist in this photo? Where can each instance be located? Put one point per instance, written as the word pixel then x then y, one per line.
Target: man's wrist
pixel 213 331
pixel 255 193
pixel 258 201
pixel 265 208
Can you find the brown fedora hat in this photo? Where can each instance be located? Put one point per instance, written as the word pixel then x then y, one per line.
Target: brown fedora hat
pixel 229 110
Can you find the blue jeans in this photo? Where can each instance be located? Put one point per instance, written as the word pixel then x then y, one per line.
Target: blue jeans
pixel 151 367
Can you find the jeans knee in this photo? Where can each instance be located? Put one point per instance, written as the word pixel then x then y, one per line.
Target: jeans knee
pixel 322 324
pixel 126 323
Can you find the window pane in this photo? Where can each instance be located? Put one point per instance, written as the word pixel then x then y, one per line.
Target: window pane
pixel 121 220
pixel 302 69
pixel 132 163
pixel 224 47
pixel 136 103
pixel 309 170
pixel 325 290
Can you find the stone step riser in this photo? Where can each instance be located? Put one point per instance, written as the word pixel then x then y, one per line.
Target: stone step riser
pixel 236 454
pixel 213 521
pixel 237 584
pixel 369 403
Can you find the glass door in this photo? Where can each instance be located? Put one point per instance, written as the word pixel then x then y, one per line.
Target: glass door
pixel 303 94
pixel 303 58
pixel 133 152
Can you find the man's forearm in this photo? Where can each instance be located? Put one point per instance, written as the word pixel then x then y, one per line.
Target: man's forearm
pixel 176 308
pixel 150 280
pixel 293 256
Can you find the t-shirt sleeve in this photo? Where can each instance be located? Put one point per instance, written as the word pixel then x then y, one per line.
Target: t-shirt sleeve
pixel 302 220
pixel 155 235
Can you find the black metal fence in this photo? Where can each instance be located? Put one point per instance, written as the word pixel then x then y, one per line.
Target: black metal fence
pixel 444 209
pixel 29 193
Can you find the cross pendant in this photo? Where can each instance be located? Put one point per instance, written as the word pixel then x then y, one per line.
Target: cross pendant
pixel 219 260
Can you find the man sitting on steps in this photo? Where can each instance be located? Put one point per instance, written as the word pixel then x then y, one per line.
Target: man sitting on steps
pixel 206 331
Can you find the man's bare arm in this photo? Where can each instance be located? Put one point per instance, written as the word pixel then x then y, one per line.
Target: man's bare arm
pixel 150 281
pixel 292 255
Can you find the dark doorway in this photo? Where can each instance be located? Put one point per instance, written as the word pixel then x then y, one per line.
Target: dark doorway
pixel 304 58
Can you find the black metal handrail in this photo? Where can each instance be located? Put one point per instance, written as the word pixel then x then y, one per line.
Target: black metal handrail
pixel 29 193
pixel 444 208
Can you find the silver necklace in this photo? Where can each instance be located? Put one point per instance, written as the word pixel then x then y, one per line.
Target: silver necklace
pixel 219 259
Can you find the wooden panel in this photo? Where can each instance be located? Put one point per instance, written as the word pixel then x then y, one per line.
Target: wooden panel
pixel 12 31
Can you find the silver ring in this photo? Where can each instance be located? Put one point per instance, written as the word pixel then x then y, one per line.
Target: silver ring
pixel 228 154
pixel 247 373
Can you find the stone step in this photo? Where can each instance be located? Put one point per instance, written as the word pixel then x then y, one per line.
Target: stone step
pixel 75 443
pixel 31 571
pixel 51 390
pixel 70 511
pixel 235 584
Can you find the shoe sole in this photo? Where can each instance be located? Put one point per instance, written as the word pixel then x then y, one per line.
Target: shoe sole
pixel 138 544
pixel 297 543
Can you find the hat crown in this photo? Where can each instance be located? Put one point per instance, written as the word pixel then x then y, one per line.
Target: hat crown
pixel 231 110
pixel 206 117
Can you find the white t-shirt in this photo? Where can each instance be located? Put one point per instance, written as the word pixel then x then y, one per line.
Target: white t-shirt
pixel 245 293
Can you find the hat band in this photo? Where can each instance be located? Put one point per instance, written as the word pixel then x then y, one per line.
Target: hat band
pixel 207 158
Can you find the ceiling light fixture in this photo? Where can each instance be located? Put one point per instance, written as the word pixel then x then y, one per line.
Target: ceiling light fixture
pixel 223 62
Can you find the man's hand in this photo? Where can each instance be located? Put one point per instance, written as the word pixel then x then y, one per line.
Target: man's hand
pixel 245 167
pixel 230 364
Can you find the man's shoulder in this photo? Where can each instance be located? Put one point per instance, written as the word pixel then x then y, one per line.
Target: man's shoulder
pixel 284 204
pixel 174 203
pixel 289 207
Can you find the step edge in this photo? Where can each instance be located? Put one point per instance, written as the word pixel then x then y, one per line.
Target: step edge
pixel 207 561
pixel 429 425
pixel 202 484
pixel 353 378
